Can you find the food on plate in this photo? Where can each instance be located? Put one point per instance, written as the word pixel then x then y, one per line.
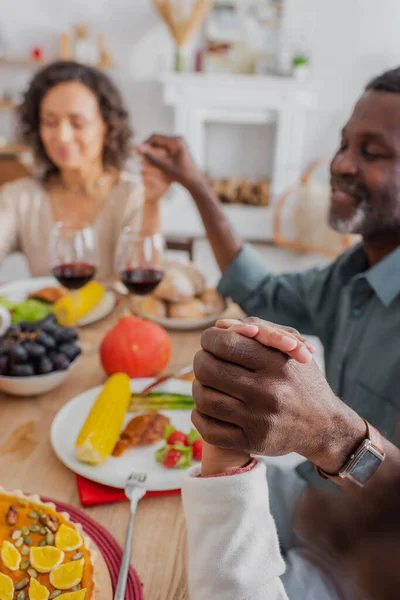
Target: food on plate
pixel 35 561
pixel 180 449
pixel 49 294
pixel 182 294
pixel 37 348
pixel 28 310
pixel 189 309
pixel 160 401
pixel 136 347
pixel 175 286
pixel 188 268
pixel 101 430
pixel 73 307
pixel 152 307
pixel 142 430
pixel 214 303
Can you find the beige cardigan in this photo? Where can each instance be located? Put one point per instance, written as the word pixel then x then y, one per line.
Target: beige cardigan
pixel 26 220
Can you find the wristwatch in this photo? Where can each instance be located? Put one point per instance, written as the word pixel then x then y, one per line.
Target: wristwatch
pixel 364 462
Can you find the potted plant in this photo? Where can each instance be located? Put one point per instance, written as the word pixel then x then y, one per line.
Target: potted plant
pixel 300 66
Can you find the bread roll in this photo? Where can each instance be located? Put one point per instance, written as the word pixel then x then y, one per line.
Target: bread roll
pixel 213 302
pixel 175 286
pixel 152 307
pixel 189 270
pixel 191 309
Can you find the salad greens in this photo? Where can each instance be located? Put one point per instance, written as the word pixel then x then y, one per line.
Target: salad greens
pixel 28 310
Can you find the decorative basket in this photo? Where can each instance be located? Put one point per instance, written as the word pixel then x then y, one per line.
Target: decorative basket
pixel 301 217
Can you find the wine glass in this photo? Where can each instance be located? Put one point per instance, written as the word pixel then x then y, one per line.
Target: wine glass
pixel 73 257
pixel 139 260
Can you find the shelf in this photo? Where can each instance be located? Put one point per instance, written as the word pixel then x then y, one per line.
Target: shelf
pixel 21 62
pixel 7 105
pixel 14 150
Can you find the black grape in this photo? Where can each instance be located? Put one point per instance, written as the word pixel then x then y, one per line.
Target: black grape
pixel 13 331
pixel 4 349
pixel 35 351
pixel 60 361
pixel 18 353
pixel 45 340
pixel 65 335
pixel 3 365
pixel 71 351
pixel 22 370
pixel 45 366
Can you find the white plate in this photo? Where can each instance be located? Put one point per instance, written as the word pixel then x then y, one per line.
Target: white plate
pixel 115 471
pixel 17 291
pixel 183 324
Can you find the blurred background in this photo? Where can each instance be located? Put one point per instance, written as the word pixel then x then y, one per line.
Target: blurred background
pixel 260 89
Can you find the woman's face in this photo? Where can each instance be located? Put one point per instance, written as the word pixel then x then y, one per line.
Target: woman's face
pixel 71 126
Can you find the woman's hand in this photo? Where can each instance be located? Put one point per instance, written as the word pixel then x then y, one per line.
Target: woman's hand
pixel 155 182
pixel 172 157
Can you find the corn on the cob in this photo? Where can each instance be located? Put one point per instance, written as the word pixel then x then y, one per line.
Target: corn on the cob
pixel 102 427
pixel 71 308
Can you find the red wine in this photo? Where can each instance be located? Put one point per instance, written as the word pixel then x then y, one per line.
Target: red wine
pixel 74 275
pixel 141 281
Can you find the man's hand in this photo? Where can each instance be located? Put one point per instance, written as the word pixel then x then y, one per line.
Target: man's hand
pixel 172 156
pixel 255 399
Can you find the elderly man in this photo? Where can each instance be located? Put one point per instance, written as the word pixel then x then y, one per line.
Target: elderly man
pixel 244 391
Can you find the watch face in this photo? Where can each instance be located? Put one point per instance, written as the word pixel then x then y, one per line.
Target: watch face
pixel 365 467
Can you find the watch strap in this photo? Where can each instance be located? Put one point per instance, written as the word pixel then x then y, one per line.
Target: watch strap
pixel 376 440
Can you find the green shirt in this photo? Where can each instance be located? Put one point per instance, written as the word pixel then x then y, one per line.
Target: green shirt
pixel 353 309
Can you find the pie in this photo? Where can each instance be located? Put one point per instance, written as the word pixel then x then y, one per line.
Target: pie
pixel 43 554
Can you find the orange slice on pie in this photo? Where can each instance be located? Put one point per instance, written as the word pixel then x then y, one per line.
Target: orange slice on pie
pixel 43 554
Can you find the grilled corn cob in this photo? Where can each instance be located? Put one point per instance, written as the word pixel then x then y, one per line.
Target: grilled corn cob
pixel 102 427
pixel 73 307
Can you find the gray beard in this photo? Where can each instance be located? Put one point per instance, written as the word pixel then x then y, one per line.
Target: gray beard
pixel 354 224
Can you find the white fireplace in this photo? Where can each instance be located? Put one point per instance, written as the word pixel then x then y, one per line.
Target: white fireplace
pixel 277 103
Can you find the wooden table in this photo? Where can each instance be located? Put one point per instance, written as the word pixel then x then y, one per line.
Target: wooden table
pixel 27 462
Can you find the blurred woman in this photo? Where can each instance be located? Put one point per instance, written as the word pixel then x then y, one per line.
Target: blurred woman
pixel 75 121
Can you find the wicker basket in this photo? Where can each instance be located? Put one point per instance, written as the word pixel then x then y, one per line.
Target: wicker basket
pixel 303 209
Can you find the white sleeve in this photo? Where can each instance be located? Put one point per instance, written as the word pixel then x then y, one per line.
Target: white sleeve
pixel 233 544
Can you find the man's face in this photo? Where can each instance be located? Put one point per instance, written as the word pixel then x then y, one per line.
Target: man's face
pixel 365 171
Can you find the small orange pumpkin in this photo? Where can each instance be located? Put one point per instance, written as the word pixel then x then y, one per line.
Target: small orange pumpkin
pixel 136 347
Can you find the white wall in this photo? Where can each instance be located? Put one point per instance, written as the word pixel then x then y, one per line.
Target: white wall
pixel 349 41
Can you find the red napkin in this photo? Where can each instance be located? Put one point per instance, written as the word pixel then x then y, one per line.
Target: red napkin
pixel 92 493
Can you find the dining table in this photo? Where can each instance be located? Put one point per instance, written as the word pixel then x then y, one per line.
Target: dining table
pixel 28 463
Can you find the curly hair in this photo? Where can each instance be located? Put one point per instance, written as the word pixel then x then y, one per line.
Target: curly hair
pixel 117 143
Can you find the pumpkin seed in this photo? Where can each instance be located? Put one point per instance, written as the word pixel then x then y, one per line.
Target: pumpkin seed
pixel 25 564
pixel 28 540
pixel 26 531
pixel 19 542
pixel 32 573
pixel 76 588
pixel 48 530
pixel 49 539
pixel 21 595
pixel 35 528
pixel 22 501
pixel 77 556
pixel 16 534
pixel 25 551
pixel 55 594
pixel 40 511
pixel 24 582
pixel 42 543
pixel 32 514
pixel 42 531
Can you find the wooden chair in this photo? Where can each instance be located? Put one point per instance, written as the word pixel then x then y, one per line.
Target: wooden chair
pixel 182 244
pixel 300 245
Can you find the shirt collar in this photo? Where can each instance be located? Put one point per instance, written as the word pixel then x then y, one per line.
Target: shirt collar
pixel 384 277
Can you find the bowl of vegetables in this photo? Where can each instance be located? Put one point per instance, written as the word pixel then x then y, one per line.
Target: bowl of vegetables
pixel 36 356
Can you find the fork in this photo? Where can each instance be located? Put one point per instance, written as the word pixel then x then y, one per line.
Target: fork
pixel 135 489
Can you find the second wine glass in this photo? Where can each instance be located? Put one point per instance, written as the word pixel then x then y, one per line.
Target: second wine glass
pixel 139 260
pixel 73 257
